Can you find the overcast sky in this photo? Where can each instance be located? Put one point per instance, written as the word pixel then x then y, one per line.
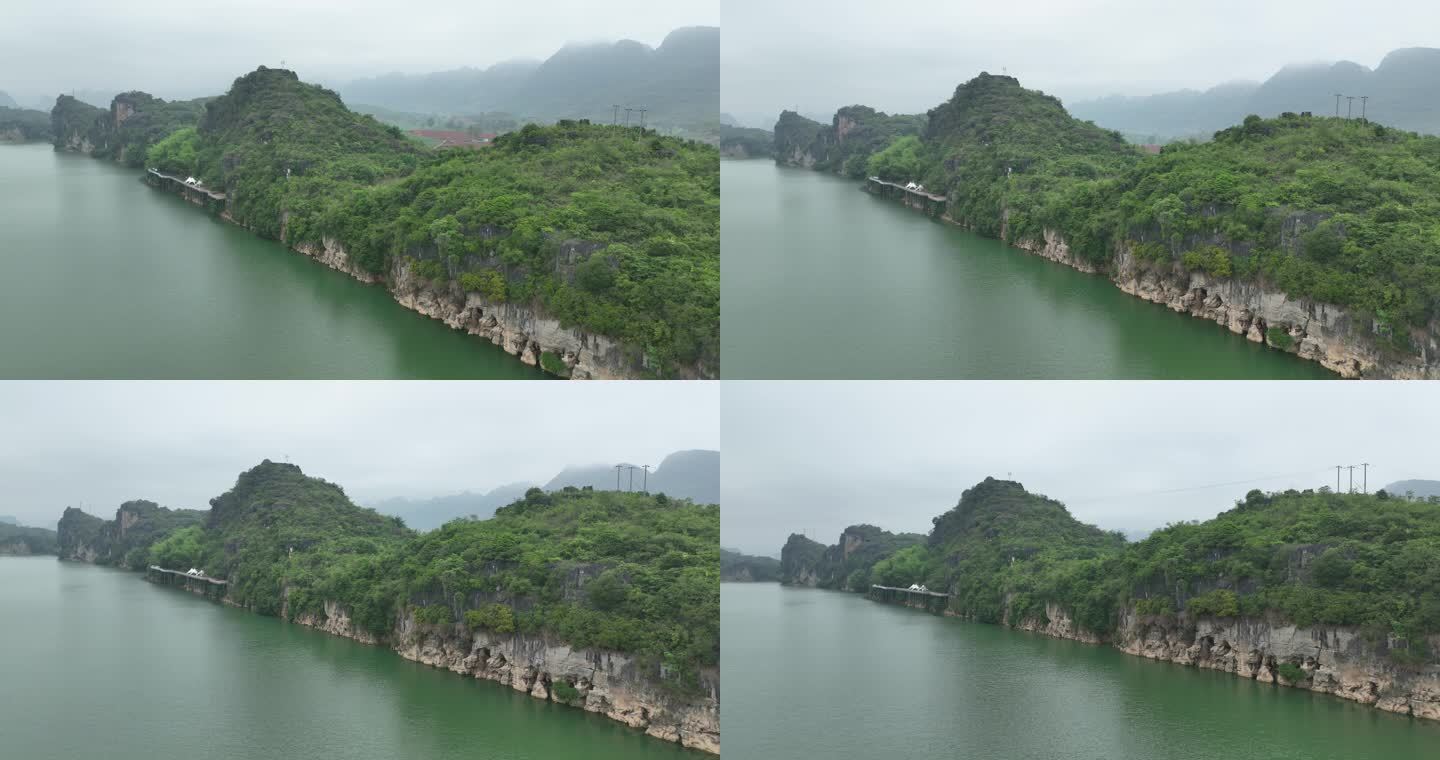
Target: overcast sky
pixel 182 443
pixel 188 49
pixel 817 457
pixel 817 55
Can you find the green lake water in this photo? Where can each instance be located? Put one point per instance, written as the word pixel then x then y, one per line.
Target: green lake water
pixel 104 277
pixel 823 280
pixel 824 674
pixel 97 663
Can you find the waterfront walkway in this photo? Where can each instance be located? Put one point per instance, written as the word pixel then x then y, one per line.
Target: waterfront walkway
pixel 908 591
pixel 931 196
pixel 181 182
pixel 206 578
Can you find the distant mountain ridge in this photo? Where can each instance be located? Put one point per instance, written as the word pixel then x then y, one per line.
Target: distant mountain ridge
pixel 693 474
pixel 1423 489
pixel 678 83
pixel 1404 92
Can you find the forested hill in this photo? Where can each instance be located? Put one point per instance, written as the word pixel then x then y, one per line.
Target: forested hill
pixel 678 83
pixel 847 565
pixel 20 125
pixel 1306 557
pixel 611 229
pixel 18 539
pixel 1331 211
pixel 134 122
pixel 624 571
pixel 124 541
pixel 1403 92
pixel 745 568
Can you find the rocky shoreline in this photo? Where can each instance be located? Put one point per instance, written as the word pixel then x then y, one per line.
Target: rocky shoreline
pixel 613 684
pixel 522 331
pixel 1336 660
pixel 1323 333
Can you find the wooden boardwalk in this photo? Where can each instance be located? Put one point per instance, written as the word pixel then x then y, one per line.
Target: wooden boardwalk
pixel 181 182
pixel 931 196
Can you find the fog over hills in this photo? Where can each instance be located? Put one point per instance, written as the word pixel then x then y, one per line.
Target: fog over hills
pixel 678 83
pixel 691 475
pixel 1403 91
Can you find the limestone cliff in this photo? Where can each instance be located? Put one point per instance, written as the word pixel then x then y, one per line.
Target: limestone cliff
pixel 1335 660
pixel 1319 332
pixel 614 684
pixel 522 330
pixel 124 541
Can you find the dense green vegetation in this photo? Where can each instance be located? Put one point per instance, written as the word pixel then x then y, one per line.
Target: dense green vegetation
pixel 625 571
pixel 18 539
pixel 845 146
pixel 848 564
pixel 735 566
pixel 24 123
pixel 1310 558
pixel 613 229
pixel 746 142
pixel 126 540
pixel 134 122
pixel 1338 211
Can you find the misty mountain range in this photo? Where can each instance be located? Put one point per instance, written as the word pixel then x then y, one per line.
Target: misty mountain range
pixel 677 83
pixel 691 475
pixel 1404 92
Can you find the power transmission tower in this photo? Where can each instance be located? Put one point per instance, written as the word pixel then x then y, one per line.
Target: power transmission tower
pixel 1351 468
pixel 646 482
pixel 1349 105
pixel 631 469
pixel 627 116
pixel 1337 479
pixel 1338 96
pixel 618 466
pixel 1363 98
pixel 615 119
pixel 642 117
pixel 1365 473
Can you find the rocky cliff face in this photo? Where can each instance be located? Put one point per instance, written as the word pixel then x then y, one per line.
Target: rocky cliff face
pixel 519 329
pixel 1316 331
pixel 1329 659
pixel 1319 332
pixel 613 684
